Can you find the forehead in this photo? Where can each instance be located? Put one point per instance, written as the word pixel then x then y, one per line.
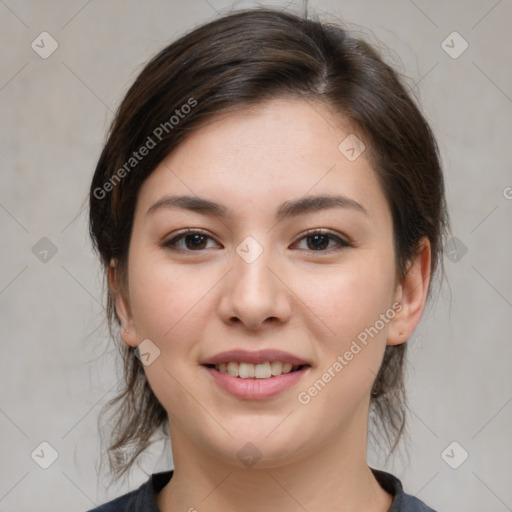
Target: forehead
pixel 267 154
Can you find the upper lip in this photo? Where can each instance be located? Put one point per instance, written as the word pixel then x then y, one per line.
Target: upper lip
pixel 256 357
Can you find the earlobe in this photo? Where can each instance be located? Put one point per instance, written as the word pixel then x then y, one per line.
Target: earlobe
pixel 412 295
pixel 122 305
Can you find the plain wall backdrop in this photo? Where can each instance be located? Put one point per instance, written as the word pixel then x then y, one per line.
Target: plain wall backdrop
pixel 58 367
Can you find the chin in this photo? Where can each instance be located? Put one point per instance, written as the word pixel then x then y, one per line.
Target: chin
pixel 262 446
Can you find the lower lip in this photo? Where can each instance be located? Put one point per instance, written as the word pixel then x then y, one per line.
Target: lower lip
pixel 256 389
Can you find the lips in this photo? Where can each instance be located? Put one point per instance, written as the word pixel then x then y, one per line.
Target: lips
pixel 238 380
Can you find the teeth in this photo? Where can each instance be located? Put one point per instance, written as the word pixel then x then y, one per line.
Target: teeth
pixel 262 371
pixel 246 371
pixel 287 367
pixel 276 368
pixel 233 369
pixel 258 371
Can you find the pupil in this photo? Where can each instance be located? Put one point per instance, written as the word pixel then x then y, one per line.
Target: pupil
pixel 196 238
pixel 321 245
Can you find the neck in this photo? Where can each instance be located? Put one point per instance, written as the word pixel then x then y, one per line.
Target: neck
pixel 333 477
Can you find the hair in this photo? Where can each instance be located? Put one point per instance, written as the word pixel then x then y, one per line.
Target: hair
pixel 241 59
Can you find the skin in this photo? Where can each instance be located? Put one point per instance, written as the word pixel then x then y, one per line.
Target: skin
pixel 195 303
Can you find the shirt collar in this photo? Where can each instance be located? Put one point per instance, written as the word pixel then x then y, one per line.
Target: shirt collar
pixel 158 481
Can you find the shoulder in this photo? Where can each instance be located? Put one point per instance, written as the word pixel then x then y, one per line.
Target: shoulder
pixel 122 504
pixel 142 499
pixel 402 502
pixel 413 504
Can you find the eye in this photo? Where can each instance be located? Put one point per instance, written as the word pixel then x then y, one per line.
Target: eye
pixel 320 239
pixel 194 240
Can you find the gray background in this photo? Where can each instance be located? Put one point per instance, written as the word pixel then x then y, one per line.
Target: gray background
pixel 57 366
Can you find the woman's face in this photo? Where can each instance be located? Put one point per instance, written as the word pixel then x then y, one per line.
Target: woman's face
pixel 254 287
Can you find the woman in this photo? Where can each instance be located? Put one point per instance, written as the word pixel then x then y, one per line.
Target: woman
pixel 269 210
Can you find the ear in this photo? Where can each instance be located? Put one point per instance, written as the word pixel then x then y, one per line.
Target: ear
pixel 411 293
pixel 122 305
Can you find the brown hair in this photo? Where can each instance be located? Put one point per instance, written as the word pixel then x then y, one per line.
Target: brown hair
pixel 237 60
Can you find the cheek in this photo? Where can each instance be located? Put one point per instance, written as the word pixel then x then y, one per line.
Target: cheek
pixel 157 301
pixel 352 303
pixel 169 304
pixel 348 298
pixel 350 346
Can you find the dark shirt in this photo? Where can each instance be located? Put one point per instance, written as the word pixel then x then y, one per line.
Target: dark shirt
pixel 144 498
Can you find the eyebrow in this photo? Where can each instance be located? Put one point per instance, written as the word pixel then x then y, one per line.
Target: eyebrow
pixel 302 206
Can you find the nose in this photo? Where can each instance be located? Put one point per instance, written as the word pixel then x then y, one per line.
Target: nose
pixel 255 292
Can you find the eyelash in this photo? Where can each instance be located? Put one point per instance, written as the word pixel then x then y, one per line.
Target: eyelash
pixel 171 243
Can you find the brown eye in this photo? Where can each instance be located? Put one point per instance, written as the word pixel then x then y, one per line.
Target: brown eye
pixel 193 240
pixel 320 240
